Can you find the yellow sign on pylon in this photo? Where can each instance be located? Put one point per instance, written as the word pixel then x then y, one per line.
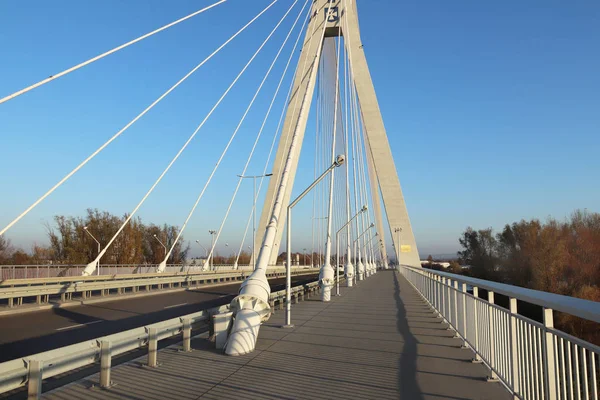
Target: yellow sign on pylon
pixel 405 248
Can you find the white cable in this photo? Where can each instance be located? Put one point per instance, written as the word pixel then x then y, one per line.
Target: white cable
pixel 216 167
pixel 98 57
pixel 275 133
pixel 181 150
pixel 116 135
pixel 258 136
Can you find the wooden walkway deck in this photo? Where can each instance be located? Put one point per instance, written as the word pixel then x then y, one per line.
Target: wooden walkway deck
pixel 379 340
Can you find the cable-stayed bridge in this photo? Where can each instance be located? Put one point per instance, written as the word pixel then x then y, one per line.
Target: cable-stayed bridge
pixel 315 85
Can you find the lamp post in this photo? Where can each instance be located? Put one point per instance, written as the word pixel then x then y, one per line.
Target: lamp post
pixel 211 263
pixel 85 228
pixel 253 259
pixel 339 160
pixel 205 251
pixel 361 270
pixel 161 243
pixel 399 246
pixel 349 267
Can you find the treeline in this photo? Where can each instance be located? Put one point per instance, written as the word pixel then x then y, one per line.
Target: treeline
pixel 138 243
pixel 552 256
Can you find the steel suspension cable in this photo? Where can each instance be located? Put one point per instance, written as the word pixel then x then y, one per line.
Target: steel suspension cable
pixel 276 131
pixel 181 150
pixel 100 56
pixel 216 167
pixel 258 136
pixel 130 123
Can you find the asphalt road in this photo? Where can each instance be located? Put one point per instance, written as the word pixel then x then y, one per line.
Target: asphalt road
pixel 35 332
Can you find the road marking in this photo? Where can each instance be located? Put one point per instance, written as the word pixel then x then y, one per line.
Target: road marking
pixel 175 305
pixel 75 326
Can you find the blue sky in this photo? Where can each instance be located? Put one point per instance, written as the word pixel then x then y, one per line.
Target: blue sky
pixel 492 110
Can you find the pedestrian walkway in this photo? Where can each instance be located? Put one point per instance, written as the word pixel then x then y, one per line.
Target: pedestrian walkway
pixel 379 340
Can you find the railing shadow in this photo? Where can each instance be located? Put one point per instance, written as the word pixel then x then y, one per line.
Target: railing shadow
pixel 407 365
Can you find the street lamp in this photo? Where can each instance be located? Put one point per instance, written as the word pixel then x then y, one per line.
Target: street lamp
pixel 339 160
pixel 399 247
pixel 349 267
pixel 253 259
pixel 205 251
pixel 211 262
pixel 161 243
pixel 85 228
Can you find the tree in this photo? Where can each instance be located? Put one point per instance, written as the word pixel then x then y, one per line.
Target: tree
pixel 430 259
pixel 479 252
pixel 6 250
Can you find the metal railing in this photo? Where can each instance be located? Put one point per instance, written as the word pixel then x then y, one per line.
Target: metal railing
pixel 31 370
pixel 43 290
pixel 532 359
pixel 65 270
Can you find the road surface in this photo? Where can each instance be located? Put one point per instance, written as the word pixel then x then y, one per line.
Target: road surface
pixel 34 332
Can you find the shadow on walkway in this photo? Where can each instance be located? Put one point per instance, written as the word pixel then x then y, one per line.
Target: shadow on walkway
pixel 407 371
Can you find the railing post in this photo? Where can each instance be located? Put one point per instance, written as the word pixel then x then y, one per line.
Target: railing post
pixel 463 290
pixel 477 359
pixel 187 334
pixel 456 330
pixel 105 364
pixel 152 347
pixel 34 384
pixel 514 340
pixel 549 357
pixel 443 301
pixel 493 377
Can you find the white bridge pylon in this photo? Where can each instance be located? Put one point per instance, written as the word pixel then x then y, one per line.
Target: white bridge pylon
pixel 357 126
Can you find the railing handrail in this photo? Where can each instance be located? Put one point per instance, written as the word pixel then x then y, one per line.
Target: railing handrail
pixel 586 309
pixel 106 277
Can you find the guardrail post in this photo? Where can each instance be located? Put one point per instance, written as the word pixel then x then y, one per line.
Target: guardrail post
pixel 187 334
pixel 34 384
pixel 152 347
pixel 105 364
pixel 456 333
pixel 514 362
pixel 477 359
pixel 549 357
pixel 493 377
pixel 463 289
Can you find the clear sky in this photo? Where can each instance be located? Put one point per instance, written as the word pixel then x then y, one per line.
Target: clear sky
pixel 492 110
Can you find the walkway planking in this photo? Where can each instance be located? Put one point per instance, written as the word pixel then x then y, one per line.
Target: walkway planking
pixel 379 340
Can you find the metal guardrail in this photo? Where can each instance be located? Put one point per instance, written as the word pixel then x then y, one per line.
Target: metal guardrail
pixel 532 359
pixel 64 270
pixel 45 289
pixel 31 370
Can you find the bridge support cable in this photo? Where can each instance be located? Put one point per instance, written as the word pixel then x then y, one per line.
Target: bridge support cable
pixel 273 141
pixel 326 275
pixel 349 267
pixel 130 123
pixel 251 306
pixel 268 113
pixel 107 53
pixel 162 265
